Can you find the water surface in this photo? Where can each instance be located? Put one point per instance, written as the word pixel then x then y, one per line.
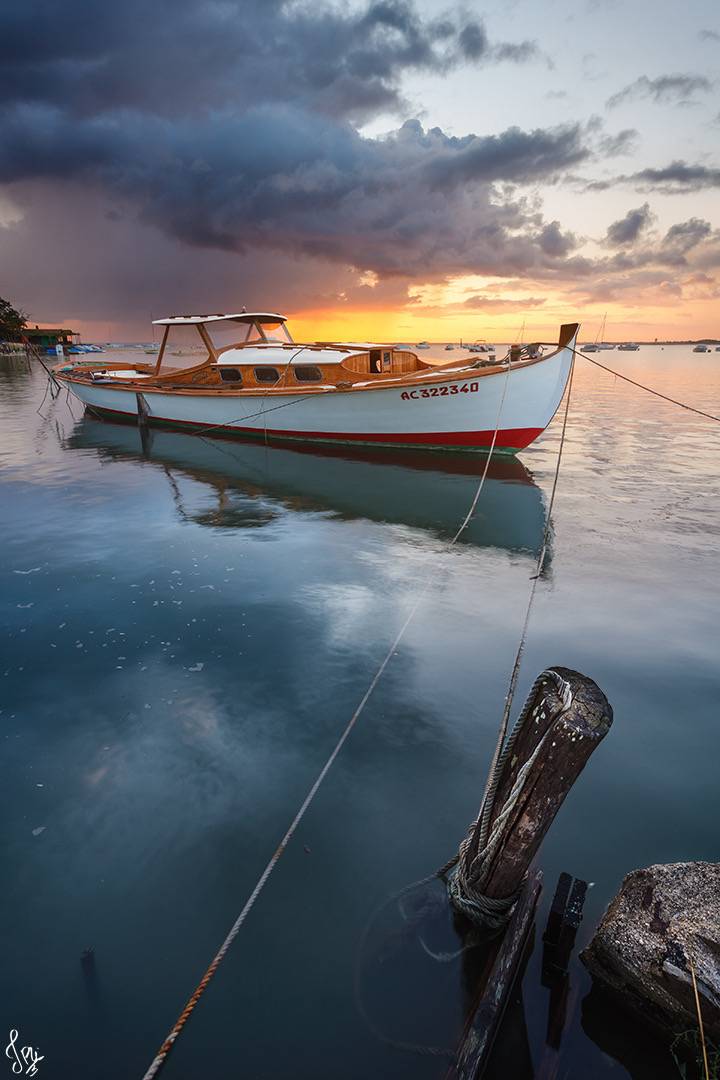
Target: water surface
pixel 188 626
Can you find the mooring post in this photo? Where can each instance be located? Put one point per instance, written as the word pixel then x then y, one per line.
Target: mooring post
pixel 143 411
pixel 482 1024
pixel 563 721
pixel 555 743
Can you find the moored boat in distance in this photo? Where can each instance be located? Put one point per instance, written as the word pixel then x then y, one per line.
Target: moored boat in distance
pixel 628 346
pixel 422 345
pixel 701 348
pixel 599 344
pixel 243 375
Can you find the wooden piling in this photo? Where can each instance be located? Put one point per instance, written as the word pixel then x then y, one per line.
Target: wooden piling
pixel 483 1023
pixel 563 747
pixel 143 413
pixel 564 721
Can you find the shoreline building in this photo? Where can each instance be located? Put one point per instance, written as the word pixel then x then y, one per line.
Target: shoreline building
pixel 46 337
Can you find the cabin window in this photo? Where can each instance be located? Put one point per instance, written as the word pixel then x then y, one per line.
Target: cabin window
pixel 267 375
pixel 230 374
pixel 308 373
pixel 386 361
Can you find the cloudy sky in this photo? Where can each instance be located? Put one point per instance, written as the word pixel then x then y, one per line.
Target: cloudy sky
pixel 374 168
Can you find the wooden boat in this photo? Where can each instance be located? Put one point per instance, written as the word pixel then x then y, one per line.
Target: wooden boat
pixel 243 375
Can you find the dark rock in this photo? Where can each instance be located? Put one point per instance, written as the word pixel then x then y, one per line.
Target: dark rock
pixel 663 918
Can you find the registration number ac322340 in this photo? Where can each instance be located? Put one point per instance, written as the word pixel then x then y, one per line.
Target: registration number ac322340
pixel 439 391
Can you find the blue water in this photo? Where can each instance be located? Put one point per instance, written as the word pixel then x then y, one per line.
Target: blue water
pixel 188 626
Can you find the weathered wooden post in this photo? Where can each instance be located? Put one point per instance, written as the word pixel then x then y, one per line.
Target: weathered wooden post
pixel 565 717
pixel 143 417
pixel 142 410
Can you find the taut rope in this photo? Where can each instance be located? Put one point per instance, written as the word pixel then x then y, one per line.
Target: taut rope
pixel 480 835
pixel 673 401
pixel 169 1042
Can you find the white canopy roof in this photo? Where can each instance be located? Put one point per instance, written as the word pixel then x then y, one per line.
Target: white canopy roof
pixel 281 355
pixel 242 316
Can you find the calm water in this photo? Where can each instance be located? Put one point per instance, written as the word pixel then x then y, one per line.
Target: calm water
pixel 186 631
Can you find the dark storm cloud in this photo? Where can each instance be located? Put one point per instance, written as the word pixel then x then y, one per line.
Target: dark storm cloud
pixel 553 241
pixel 518 53
pixel 628 229
pixel 233 125
pixel 666 89
pixel 473 41
pixel 708 35
pixel 515 155
pixel 624 142
pixel 687 235
pixel 416 201
pixel 677 177
pixel 178 56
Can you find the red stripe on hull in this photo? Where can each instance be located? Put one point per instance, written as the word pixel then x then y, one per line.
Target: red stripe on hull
pixel 508 439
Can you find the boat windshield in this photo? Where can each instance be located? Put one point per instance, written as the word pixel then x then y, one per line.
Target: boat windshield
pixel 184 348
pixel 228 332
pixel 276 332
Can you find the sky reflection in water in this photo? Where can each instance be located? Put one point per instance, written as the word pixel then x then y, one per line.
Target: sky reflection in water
pixel 188 627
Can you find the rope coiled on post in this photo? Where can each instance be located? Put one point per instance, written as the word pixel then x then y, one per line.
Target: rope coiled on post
pixel 467 873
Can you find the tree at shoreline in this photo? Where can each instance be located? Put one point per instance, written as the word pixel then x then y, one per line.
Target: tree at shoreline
pixel 12 321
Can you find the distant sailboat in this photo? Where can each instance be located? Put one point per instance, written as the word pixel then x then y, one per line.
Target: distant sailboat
pixel 599 343
pixel 602 343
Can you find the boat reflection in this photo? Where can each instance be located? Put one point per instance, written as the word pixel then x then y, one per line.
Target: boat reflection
pixel 424 490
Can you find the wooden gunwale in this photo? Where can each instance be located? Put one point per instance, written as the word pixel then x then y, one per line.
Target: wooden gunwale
pixel 361 385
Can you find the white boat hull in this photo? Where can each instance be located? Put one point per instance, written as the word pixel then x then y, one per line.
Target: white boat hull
pixel 432 412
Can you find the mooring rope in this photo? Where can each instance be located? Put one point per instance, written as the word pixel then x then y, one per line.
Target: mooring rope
pixel 282 379
pixel 169 1042
pixel 465 871
pixel 650 390
pixel 488 795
